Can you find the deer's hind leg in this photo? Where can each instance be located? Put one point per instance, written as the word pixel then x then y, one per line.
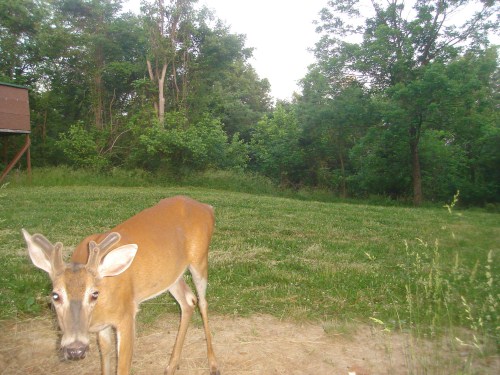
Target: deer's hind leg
pixel 200 279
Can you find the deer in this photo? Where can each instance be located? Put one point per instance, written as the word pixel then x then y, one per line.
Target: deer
pixel 110 274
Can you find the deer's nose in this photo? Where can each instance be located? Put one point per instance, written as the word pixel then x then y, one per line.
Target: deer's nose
pixel 75 350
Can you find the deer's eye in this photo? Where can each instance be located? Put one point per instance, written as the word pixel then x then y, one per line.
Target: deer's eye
pixel 94 295
pixel 56 297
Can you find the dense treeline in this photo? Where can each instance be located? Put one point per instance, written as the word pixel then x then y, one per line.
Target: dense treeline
pixel 402 103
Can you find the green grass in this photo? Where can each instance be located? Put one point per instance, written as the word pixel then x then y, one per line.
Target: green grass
pixel 291 258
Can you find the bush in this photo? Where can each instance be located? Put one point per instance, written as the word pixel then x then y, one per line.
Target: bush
pixel 80 147
pixel 276 147
pixel 182 147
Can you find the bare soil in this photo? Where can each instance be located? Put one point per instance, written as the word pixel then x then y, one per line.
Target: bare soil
pixel 255 345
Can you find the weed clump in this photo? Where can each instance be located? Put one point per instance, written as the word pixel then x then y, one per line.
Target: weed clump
pixel 448 300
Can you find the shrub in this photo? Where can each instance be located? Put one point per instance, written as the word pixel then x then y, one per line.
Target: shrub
pixel 81 148
pixel 183 147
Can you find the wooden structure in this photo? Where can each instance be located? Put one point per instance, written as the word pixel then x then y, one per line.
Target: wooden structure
pixel 14 120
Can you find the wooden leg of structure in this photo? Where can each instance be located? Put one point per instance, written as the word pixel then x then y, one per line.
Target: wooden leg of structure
pixel 28 157
pixel 18 156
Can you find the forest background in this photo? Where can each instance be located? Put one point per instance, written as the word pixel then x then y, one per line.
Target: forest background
pixel 402 103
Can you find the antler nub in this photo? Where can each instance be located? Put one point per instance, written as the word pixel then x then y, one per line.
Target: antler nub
pixel 97 251
pixel 94 257
pixel 110 240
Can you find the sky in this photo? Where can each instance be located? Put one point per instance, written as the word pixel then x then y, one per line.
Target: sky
pixel 280 31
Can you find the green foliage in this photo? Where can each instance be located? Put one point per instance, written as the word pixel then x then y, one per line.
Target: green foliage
pixel 224 84
pixel 443 165
pixel 333 120
pixel 381 164
pixel 182 147
pixel 409 106
pixel 80 147
pixel 447 105
pixel 20 24
pixel 410 61
pixel 275 146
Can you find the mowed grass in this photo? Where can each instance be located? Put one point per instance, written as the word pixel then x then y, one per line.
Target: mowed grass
pixel 293 259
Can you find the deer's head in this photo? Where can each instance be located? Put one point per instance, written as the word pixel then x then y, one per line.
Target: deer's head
pixel 75 287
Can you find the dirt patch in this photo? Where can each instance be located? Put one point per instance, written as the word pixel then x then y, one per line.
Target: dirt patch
pixel 256 345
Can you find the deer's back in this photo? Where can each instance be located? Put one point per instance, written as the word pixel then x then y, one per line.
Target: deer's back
pixel 170 235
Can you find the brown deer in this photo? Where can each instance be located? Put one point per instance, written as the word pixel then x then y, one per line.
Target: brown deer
pixel 110 274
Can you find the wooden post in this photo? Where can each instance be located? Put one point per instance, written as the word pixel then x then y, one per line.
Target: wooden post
pixel 5 149
pixel 18 156
pixel 28 157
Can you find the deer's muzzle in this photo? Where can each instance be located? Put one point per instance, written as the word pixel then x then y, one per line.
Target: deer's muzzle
pixel 75 350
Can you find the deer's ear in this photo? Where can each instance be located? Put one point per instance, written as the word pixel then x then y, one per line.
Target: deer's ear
pixel 117 260
pixel 38 251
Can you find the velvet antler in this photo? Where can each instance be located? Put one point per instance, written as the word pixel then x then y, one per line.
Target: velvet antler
pixel 97 251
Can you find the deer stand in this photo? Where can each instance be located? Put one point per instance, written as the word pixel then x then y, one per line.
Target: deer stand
pixel 14 120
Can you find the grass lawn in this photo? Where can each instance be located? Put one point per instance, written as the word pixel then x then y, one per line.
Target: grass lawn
pixel 422 270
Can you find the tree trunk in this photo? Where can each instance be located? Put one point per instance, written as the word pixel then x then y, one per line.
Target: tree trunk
pixel 176 86
pixel 153 79
pixel 44 127
pixel 161 95
pixel 98 101
pixel 415 165
pixel 343 187
pixel 159 79
pixel 185 79
pixel 99 62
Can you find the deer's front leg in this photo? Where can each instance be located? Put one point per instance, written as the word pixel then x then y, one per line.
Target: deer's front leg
pixel 105 338
pixel 187 300
pixel 125 334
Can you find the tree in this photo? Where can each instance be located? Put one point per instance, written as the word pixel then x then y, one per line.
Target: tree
pixel 475 126
pixel 170 32
pixel 275 146
pixel 82 32
pixel 397 44
pixel 334 118
pixel 381 163
pixel 91 56
pixel 221 81
pixel 21 22
pixel 180 147
pixel 454 107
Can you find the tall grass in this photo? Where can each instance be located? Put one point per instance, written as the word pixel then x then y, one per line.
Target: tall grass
pixel 454 303
pixel 65 176
pixel 224 180
pixel 213 179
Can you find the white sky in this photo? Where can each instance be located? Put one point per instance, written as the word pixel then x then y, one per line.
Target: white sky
pixel 280 31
